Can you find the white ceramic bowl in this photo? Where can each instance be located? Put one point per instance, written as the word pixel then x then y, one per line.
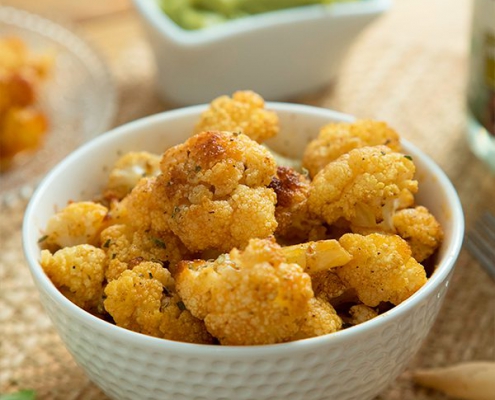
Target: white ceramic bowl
pixel 356 363
pixel 278 54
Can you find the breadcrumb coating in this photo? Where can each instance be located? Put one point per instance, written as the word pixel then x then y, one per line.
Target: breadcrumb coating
pixel 382 268
pixel 320 319
pixel 143 300
pixel 78 223
pixel 363 186
pixel 128 171
pixel 245 112
pixel 214 190
pixel 78 272
pixel 336 139
pixel 247 297
pixel 126 247
pixel 420 229
pixel 295 222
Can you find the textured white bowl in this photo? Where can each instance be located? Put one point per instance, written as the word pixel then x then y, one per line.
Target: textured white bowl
pixel 356 363
pixel 278 54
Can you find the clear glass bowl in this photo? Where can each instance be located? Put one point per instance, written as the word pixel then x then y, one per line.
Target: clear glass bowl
pixel 78 98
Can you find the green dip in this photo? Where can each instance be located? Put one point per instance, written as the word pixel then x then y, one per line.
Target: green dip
pixel 198 14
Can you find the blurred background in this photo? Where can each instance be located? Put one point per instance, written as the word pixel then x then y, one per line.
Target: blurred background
pixel 409 68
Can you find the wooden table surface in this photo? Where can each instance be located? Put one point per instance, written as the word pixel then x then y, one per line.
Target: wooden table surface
pixel 409 69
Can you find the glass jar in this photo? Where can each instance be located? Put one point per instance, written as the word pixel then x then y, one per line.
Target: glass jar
pixel 481 84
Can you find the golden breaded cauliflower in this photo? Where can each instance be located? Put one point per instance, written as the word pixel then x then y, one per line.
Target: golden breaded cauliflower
pixel 143 300
pixel 128 171
pixel 78 272
pixel 78 223
pixel 214 189
pixel 382 268
pixel 320 319
pixel 126 247
pixel 336 139
pixel 244 112
pixel 247 297
pixel 420 229
pixel 295 222
pixel 363 186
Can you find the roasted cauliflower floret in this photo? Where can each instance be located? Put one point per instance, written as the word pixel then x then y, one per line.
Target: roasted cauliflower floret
pixel 382 268
pixel 320 319
pixel 214 191
pixel 336 139
pixel 141 208
pixel 361 313
pixel 128 171
pixel 327 285
pixel 295 222
pixel 244 112
pixel 143 300
pixel 78 223
pixel 126 247
pixel 420 229
pixel 247 297
pixel 363 186
pixel 78 272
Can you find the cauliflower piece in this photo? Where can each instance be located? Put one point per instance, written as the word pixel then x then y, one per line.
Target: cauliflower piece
pixel 382 268
pixel 141 208
pixel 126 247
pixel 317 256
pixel 320 319
pixel 78 272
pixel 336 139
pixel 78 223
pixel 327 285
pixel 143 300
pixel 295 222
pixel 363 186
pixel 247 297
pixel 214 190
pixel 128 171
pixel 361 313
pixel 244 112
pixel 420 229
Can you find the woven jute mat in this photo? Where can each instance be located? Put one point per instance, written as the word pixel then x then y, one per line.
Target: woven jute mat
pixel 409 69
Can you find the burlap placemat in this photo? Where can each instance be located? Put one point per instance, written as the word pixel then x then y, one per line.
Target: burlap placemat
pixel 408 69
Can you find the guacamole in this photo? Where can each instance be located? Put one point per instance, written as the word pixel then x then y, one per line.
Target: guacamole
pixel 198 14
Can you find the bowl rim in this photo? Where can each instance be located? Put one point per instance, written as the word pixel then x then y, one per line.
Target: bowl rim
pixel 44 283
pixel 151 11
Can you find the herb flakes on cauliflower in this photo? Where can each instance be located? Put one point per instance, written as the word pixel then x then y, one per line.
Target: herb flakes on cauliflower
pixel 363 186
pixel 247 297
pixel 382 268
pixel 143 300
pixel 214 191
pixel 78 272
